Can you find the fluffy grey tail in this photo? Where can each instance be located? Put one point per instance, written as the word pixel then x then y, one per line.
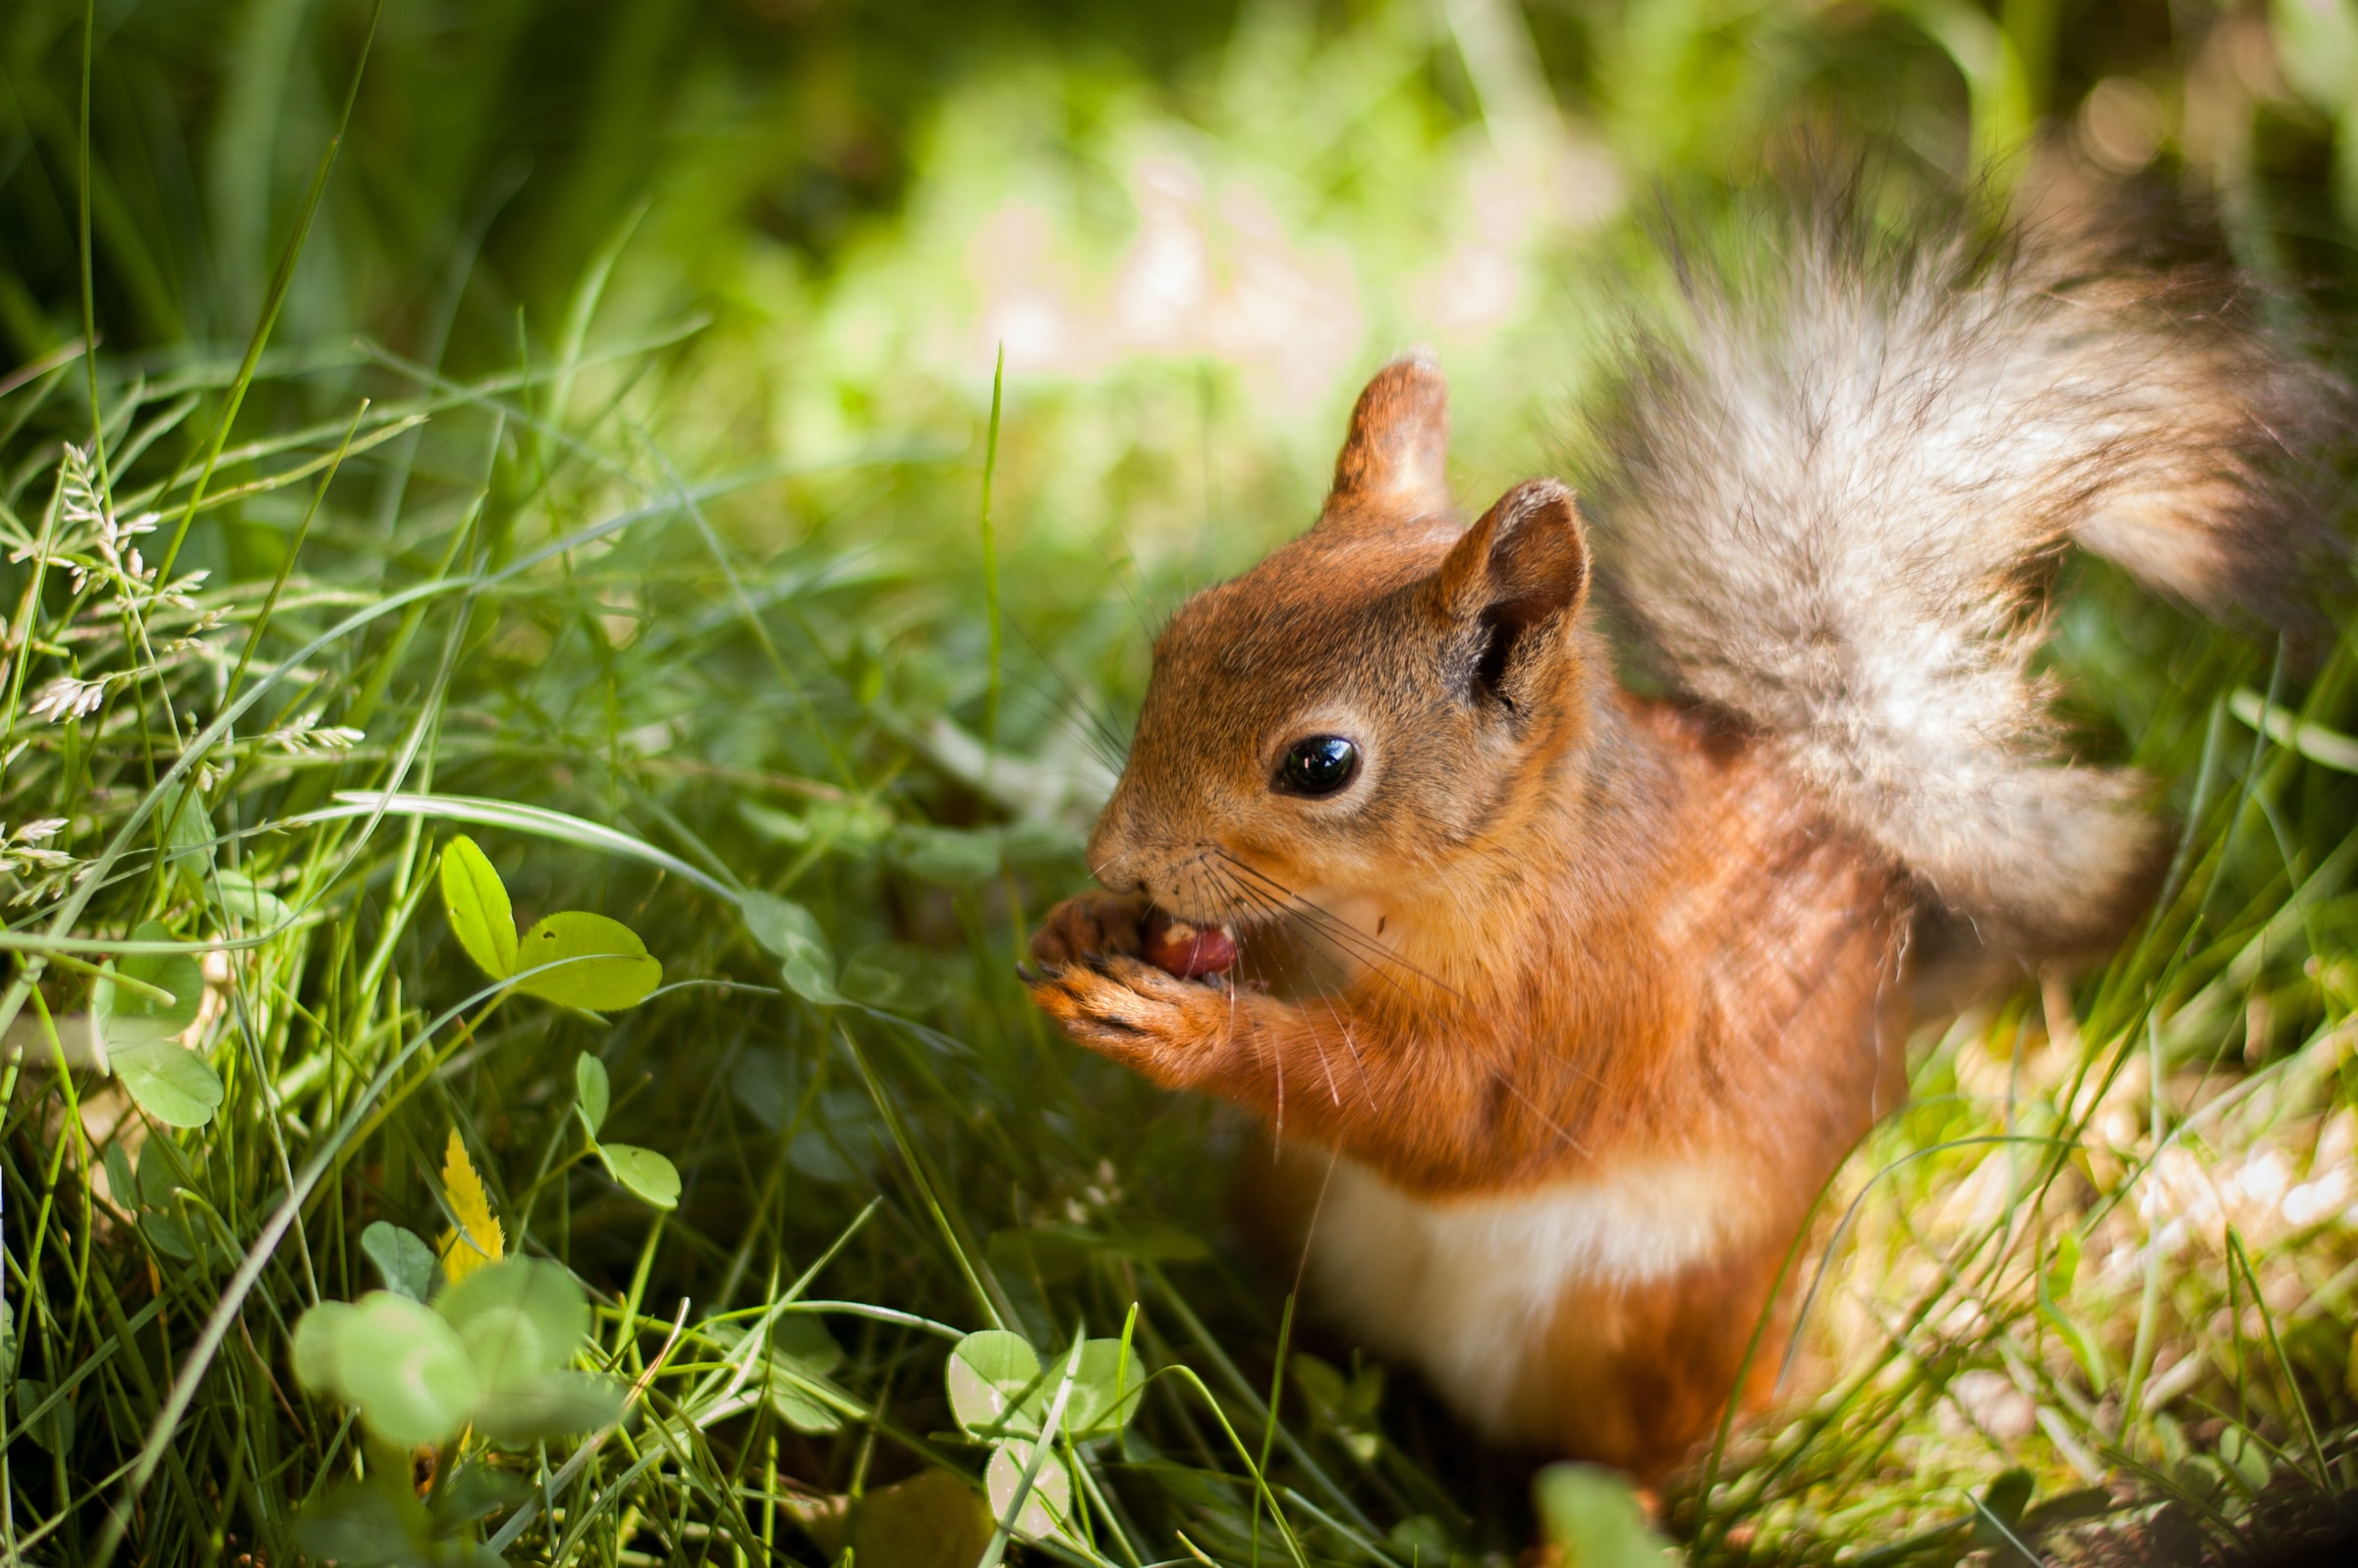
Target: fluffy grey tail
pixel 1832 483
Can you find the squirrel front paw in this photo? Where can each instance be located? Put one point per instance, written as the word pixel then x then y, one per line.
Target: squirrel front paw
pixel 1094 923
pixel 1118 1006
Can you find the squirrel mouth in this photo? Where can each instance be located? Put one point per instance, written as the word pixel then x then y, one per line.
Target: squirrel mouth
pixel 1185 949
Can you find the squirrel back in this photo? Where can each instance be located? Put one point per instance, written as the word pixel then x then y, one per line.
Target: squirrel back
pixel 1831 483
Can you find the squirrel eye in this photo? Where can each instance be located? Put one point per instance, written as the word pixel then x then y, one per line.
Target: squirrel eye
pixel 1319 765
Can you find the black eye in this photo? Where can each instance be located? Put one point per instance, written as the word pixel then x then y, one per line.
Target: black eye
pixel 1319 765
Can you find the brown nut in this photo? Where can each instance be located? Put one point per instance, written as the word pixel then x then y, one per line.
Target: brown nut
pixel 1187 951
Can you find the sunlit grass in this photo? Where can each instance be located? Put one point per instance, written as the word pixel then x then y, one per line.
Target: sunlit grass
pixel 645 546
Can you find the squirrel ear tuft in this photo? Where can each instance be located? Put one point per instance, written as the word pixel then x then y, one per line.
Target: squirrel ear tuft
pixel 1525 562
pixel 1521 573
pixel 1396 459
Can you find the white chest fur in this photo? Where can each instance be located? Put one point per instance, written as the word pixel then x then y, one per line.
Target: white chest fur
pixel 1465 1287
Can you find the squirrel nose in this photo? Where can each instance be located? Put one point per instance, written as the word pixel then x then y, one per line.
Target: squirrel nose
pixel 1112 860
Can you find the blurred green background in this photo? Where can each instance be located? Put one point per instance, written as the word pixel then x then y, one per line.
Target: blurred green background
pixel 653 347
pixel 1179 220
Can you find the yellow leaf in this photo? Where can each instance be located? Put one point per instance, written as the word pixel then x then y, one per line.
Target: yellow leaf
pixel 483 1242
pixel 932 1520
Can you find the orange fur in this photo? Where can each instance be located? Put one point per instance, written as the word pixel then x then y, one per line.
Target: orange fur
pixel 1738 995
pixel 1731 988
pixel 1555 957
pixel 1723 978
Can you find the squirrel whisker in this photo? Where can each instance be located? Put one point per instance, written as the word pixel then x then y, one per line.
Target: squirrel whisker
pixel 1283 902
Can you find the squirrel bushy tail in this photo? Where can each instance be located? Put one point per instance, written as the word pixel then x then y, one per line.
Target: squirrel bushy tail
pixel 1830 486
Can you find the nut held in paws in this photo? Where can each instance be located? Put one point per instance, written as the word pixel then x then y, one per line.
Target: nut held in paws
pixel 1190 952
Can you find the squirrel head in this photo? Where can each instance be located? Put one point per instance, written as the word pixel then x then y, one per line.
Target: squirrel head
pixel 1370 701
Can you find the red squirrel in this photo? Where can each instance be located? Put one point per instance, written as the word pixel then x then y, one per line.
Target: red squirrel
pixel 1567 1001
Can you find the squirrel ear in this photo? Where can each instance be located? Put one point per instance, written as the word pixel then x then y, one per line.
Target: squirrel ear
pixel 1396 459
pixel 1524 563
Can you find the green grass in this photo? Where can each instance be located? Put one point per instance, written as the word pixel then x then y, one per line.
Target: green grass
pixel 609 485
